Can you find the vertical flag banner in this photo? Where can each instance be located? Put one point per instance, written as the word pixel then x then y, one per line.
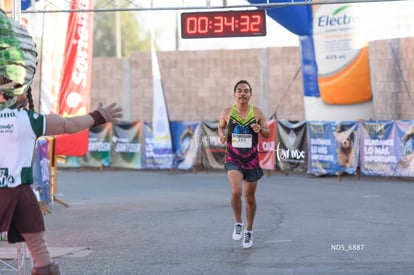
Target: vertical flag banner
pixel 267 147
pixel 126 149
pixel 161 134
pixel 99 147
pixel 291 149
pixel 71 79
pixel 377 148
pixel 404 147
pixel 185 143
pixel 55 26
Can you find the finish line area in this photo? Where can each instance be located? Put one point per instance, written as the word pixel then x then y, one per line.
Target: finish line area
pixel 153 222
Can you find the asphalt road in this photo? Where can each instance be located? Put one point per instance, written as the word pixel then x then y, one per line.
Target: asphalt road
pixel 154 222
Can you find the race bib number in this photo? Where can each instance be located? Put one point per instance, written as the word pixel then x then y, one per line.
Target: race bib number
pixel 241 140
pixel 5 178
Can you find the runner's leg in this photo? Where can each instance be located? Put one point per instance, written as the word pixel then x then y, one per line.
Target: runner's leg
pixel 250 198
pixel 236 178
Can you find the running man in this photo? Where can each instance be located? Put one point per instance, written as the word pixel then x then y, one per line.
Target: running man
pixel 239 127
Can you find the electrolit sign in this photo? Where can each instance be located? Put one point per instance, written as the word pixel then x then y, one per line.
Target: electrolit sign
pixel 341 52
pixel 334 56
pixel 336 38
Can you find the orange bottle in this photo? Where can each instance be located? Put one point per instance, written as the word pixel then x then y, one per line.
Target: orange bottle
pixel 341 54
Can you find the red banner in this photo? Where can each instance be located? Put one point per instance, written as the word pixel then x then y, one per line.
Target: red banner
pixel 267 148
pixel 74 96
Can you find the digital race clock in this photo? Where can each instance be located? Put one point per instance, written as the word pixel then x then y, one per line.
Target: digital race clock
pixel 223 24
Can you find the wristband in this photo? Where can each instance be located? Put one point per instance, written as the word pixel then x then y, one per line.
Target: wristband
pixel 98 119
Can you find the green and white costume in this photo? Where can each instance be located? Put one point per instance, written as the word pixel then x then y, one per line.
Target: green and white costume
pixel 19 129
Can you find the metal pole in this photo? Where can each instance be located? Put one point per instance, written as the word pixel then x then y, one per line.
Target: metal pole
pixel 126 89
pixel 118 32
pixel 16 10
pixel 264 102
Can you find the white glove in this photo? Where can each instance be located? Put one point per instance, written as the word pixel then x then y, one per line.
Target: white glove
pixel 111 113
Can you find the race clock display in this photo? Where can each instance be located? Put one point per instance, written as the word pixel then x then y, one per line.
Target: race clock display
pixel 223 24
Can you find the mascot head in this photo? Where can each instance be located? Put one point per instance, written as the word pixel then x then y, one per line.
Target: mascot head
pixel 18 60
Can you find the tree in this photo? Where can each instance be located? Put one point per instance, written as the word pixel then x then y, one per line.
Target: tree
pixel 133 37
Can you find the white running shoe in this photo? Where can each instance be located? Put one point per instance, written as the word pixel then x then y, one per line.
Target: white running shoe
pixel 248 239
pixel 238 231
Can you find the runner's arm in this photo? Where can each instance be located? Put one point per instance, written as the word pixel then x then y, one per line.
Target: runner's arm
pixel 261 121
pixel 222 126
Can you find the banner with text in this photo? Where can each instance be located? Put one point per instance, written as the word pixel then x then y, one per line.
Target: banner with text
pixel 333 147
pixel 266 148
pixel 127 145
pixel 378 149
pixel 322 151
pixel 99 147
pixel 291 150
pixel 154 155
pixel 212 151
pixel 74 97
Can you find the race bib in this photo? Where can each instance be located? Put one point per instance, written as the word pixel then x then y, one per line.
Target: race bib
pixel 241 140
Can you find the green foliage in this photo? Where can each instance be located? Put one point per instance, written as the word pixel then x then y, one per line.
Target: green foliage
pixel 133 36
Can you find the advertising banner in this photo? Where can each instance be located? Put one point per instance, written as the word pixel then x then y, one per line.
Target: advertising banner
pixel 378 148
pixel 212 151
pixel 267 147
pixel 75 85
pixel 341 52
pixel 68 161
pixel 334 54
pixel 404 147
pixel 126 151
pixel 160 130
pixel 185 144
pixel 41 171
pixel 322 149
pixel 333 147
pixel 291 149
pixel 347 146
pixel 154 156
pixel 99 147
pixel 54 32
